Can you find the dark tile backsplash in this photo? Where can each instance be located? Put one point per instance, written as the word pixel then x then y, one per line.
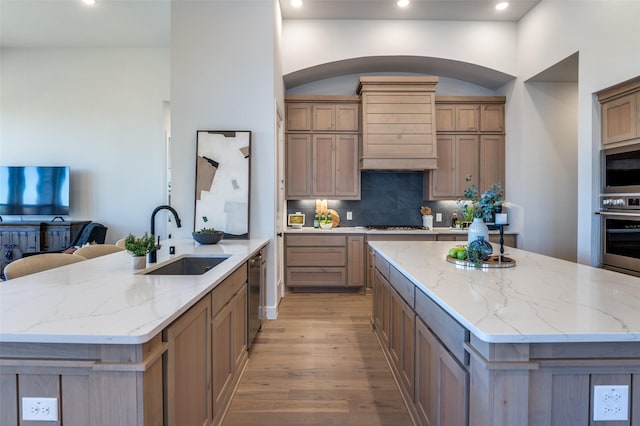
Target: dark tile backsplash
pixel 387 198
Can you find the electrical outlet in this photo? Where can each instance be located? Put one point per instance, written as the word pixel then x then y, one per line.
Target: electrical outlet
pixel 438 217
pixel 40 409
pixel 349 216
pixel 610 403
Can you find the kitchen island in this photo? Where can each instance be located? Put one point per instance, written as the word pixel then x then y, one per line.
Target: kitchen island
pixel 116 346
pixel 517 346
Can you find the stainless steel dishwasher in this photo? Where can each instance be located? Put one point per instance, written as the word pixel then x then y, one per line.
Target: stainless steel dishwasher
pixel 256 295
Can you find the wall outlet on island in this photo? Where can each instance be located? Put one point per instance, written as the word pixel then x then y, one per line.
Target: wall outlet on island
pixel 438 217
pixel 40 409
pixel 610 403
pixel 349 216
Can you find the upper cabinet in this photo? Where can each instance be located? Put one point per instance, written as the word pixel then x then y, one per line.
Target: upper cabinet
pixel 322 147
pixel 470 142
pixel 398 123
pixel 620 112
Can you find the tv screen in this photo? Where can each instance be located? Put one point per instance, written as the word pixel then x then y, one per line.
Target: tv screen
pixel 34 190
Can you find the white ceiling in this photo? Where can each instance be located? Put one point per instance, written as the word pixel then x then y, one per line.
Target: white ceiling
pixel 146 23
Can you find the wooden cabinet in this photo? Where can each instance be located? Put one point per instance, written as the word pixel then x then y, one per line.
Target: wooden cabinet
pixel 620 109
pixel 470 142
pixel 228 338
pixel 324 261
pixel 401 339
pixel 189 367
pixel 398 122
pixel 322 147
pixel 441 383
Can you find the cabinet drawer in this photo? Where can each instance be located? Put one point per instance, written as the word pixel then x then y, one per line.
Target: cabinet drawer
pixel 316 240
pixel 316 277
pixel 405 288
pixel 448 330
pixel 382 265
pixel 223 293
pixel 316 256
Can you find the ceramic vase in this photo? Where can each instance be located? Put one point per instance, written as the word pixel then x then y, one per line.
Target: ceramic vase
pixel 477 229
pixel 139 262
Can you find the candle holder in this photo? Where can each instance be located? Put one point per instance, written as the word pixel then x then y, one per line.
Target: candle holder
pixel 501 242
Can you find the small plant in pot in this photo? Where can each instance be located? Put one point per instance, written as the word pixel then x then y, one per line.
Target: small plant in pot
pixel 138 247
pixel 207 235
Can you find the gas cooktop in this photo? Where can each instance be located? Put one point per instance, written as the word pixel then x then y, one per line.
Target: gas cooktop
pixel 395 227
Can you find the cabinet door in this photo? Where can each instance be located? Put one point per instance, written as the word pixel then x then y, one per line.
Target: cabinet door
pixel 298 116
pixel 324 117
pixel 467 152
pixel 402 339
pixel 188 367
pixel 467 118
pixel 381 291
pixel 323 166
pixel 347 117
pixel 355 261
pixel 619 119
pixel 298 166
pixel 240 327
pixel 443 180
pixel 453 385
pixel 347 171
pixel 492 118
pixel 425 397
pixel 445 119
pixel 223 357
pixel 492 158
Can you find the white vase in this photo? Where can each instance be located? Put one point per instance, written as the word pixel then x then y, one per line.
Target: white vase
pixel 139 262
pixel 477 229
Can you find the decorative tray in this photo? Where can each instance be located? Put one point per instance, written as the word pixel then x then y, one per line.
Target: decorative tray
pixel 493 262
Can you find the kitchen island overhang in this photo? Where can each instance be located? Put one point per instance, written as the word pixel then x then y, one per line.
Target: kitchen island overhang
pixel 526 344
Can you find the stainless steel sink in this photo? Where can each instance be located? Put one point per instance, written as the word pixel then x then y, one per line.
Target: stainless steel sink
pixel 189 265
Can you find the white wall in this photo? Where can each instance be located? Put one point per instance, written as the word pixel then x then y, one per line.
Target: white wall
pixel 605 33
pixel 100 111
pixel 222 78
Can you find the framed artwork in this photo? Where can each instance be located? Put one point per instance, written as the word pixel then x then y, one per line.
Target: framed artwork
pixel 223 167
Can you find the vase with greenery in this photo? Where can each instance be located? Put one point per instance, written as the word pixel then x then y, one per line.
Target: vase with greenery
pixel 481 207
pixel 138 247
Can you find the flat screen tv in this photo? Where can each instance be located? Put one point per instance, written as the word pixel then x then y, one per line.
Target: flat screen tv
pixel 34 190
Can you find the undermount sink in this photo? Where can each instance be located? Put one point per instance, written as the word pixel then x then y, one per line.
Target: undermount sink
pixel 189 265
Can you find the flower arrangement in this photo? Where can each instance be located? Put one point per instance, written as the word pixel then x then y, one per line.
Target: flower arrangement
pixel 479 205
pixel 139 246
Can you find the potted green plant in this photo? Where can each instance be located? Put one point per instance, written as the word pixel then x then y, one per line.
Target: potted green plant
pixel 138 247
pixel 482 207
pixel 207 235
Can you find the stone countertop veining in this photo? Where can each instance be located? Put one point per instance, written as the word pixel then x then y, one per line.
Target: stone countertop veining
pixel 104 301
pixel 541 299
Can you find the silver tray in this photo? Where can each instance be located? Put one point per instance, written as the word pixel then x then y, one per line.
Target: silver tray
pixel 493 262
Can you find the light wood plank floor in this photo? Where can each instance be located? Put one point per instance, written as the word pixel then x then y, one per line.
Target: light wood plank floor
pixel 319 363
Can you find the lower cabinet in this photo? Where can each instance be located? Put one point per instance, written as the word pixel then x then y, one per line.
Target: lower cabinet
pixel 402 340
pixel 324 261
pixel 189 366
pixel 442 384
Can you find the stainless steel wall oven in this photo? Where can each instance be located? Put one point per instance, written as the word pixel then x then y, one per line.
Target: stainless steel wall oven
pixel 621 170
pixel 621 233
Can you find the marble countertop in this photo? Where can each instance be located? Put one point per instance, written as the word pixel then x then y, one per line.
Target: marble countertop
pixel 104 301
pixel 541 299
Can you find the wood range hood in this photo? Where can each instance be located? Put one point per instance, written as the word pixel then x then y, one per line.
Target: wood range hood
pixel 398 123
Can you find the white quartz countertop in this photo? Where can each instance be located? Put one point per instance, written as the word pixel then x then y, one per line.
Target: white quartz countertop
pixel 104 301
pixel 541 299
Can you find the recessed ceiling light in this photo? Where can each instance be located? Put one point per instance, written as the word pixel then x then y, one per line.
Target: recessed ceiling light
pixel 89 2
pixel 296 3
pixel 502 5
pixel 403 3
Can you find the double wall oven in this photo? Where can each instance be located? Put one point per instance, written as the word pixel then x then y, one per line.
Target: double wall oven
pixel 620 209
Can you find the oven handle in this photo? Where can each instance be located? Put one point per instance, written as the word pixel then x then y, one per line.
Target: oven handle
pixel 628 214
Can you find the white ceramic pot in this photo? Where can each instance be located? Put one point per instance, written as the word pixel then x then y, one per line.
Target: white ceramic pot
pixel 139 262
pixel 477 229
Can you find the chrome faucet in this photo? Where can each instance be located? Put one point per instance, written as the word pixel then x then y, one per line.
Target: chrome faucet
pixel 152 254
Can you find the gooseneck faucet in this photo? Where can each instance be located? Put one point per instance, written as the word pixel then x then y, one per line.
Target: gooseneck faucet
pixel 152 254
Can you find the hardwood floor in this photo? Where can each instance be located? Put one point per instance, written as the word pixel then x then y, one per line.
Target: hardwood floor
pixel 319 363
